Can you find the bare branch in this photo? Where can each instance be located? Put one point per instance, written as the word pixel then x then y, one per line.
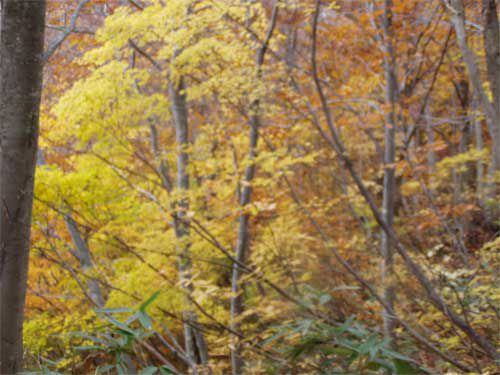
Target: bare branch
pixel 52 48
pixel 143 53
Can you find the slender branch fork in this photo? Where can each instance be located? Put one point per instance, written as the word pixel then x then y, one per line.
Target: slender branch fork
pixel 65 33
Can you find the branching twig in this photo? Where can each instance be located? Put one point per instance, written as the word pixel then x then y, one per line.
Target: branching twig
pixel 52 48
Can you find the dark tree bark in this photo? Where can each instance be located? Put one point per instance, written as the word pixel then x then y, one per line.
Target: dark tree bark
pixel 242 243
pixel 21 48
pixel 245 195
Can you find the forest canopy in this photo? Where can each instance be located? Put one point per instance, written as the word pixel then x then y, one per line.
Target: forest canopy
pixel 254 187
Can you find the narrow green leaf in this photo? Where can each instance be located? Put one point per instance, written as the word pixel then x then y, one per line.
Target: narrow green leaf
pixel 149 301
pixel 121 369
pixel 151 370
pixel 325 298
pixel 165 371
pixel 404 367
pixel 114 310
pixel 145 320
pixel 123 327
pixel 87 347
pixel 104 369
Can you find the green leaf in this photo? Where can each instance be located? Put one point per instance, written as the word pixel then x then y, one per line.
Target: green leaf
pixel 151 370
pixel 369 346
pixel 274 337
pixel 306 325
pixel 115 310
pixel 347 344
pixel 132 318
pixel 288 330
pixel 392 354
pixel 87 347
pixel 97 340
pixel 123 327
pixel 346 287
pixel 149 301
pixel 103 369
pixel 343 352
pixel 374 366
pixel 338 330
pixel 404 367
pixel 325 298
pixel 122 341
pixel 165 371
pixel 377 364
pixel 145 320
pixel 307 345
pixel 121 369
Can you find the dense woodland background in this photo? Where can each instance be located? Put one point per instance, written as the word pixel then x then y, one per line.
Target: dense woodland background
pixel 267 187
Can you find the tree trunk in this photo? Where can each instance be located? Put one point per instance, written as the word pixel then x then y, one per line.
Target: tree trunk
pixel 195 340
pixel 431 141
pixel 21 48
pixel 242 243
pixel 83 253
pixel 82 250
pixel 491 46
pixel 389 169
pixel 464 179
pixel 491 36
pixel 492 50
pixel 479 142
